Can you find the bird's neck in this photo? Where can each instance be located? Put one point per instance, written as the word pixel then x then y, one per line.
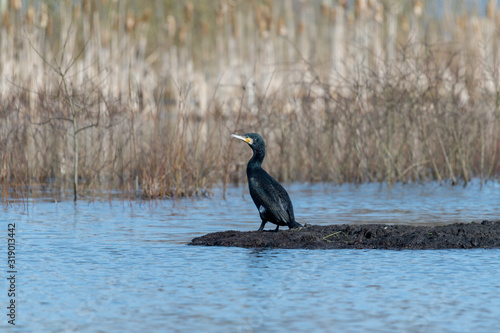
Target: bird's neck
pixel 257 158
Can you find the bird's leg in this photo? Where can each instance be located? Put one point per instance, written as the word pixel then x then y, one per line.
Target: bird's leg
pixel 262 225
pixel 277 228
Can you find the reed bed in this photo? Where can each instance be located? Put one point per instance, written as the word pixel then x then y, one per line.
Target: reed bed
pixel 142 99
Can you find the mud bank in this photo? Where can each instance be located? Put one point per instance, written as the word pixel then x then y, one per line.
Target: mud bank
pixel 484 234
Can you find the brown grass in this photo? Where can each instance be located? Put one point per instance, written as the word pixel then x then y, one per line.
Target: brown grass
pixel 377 92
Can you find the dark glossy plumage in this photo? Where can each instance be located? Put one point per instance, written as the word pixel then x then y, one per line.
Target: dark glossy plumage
pixel 269 196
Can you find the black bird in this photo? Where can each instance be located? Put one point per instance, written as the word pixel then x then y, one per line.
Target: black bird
pixel 269 196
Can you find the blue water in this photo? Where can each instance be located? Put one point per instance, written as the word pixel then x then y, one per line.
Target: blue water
pixel 125 267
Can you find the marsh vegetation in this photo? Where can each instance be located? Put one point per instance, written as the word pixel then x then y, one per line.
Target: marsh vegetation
pixel 116 96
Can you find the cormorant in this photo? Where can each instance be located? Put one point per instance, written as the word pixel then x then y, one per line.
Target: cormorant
pixel 269 196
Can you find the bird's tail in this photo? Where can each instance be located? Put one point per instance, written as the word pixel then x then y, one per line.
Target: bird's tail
pixel 293 224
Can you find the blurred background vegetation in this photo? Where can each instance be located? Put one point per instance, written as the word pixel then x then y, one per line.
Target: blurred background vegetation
pixel 141 97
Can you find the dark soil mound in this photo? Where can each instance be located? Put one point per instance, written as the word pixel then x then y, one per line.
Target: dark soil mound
pixel 368 236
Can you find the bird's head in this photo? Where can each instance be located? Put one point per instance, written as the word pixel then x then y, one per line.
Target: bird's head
pixel 253 139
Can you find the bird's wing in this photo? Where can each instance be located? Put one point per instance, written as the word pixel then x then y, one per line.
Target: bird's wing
pixel 273 197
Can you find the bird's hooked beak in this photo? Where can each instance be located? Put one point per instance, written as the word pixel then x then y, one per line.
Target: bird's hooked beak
pixel 244 138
